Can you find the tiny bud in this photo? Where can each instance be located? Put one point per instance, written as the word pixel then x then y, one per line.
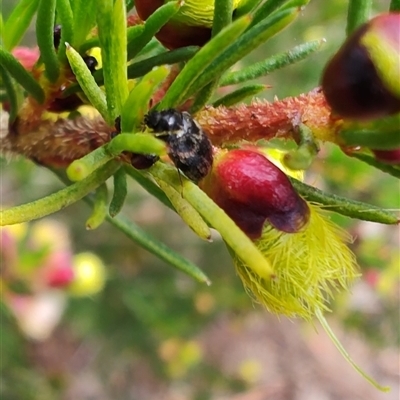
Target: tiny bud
pixel 59 272
pixel 388 156
pixel 252 190
pixel 362 80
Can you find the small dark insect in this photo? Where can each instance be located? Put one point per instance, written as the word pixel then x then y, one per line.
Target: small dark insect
pixel 57 36
pixel 188 146
pixel 90 62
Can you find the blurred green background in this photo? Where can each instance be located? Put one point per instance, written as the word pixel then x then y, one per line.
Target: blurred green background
pixel 153 333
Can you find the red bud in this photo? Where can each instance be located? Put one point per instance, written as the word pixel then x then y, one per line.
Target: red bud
pixel 388 156
pixel 252 190
pixel 174 34
pixel 362 80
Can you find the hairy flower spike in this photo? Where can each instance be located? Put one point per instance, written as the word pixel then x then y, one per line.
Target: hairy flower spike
pixel 265 120
pixel 309 265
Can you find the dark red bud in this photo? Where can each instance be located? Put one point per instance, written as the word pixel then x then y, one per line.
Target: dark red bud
pixel 63 104
pixel 362 80
pixel 388 156
pixel 252 190
pixel 174 34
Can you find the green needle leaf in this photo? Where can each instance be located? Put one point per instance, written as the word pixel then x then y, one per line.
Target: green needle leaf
pixel 66 19
pixel 217 218
pixel 223 10
pixel 145 240
pixel 153 24
pixel 373 162
pixel 188 214
pixel 142 143
pixel 120 193
pixel 359 11
pixel 266 9
pixel 59 200
pixel 140 68
pixel 344 206
pixel 80 169
pixel 159 249
pixel 21 75
pixel 394 5
pixel 245 7
pixel 239 95
pixel 45 38
pixel 18 22
pixel 138 101
pixel 84 12
pixel 87 82
pixel 111 20
pixel 100 208
pixel 239 48
pixel 145 180
pixel 271 64
pixel 178 91
pixel 12 95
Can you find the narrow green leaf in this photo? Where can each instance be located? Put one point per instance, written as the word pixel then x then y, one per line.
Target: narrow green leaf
pixel 153 24
pixel 271 64
pixel 84 12
pixel 373 162
pixel 138 101
pixel 266 9
pixel 239 95
pixel 217 218
pixel 143 239
pixel 145 180
pixel 344 206
pixel 45 38
pixel 1 27
pixel 100 208
pixel 246 7
pixel 59 200
pixel 18 22
pixel 66 19
pixel 223 10
pixel 141 68
pixel 12 96
pixel 87 82
pixel 120 193
pixel 203 96
pixel 394 5
pixel 381 133
pixel 178 91
pixel 243 45
pixel 358 12
pixel 157 248
pixel 142 143
pixel 188 214
pixel 129 4
pixel 111 21
pixel 21 75
pixel 82 168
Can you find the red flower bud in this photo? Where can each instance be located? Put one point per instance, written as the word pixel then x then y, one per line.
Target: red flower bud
pixel 388 156
pixel 58 270
pixel 362 80
pixel 176 33
pixel 252 190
